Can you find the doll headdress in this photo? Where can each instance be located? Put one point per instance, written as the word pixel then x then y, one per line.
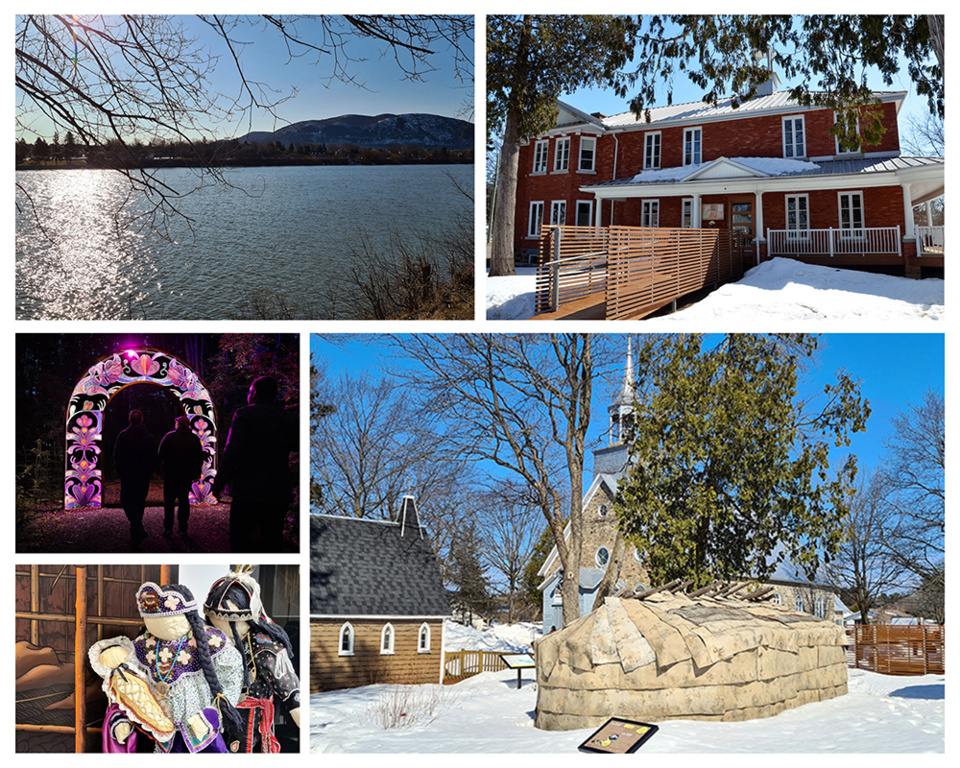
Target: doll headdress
pixel 154 601
pixel 220 605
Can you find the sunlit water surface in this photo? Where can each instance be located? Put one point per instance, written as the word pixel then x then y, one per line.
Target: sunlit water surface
pixel 88 247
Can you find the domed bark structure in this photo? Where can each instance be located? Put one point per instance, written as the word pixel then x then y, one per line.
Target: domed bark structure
pixel 671 657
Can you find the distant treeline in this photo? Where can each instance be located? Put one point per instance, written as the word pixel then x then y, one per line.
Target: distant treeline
pixel 57 154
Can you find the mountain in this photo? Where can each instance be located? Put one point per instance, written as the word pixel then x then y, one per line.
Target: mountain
pixel 416 129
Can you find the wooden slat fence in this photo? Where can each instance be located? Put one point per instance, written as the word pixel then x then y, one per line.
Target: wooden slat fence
pixel 572 265
pixel 459 665
pixel 897 650
pixel 635 270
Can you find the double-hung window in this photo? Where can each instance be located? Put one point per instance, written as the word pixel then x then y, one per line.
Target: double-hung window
pixel 692 146
pixel 536 218
pixel 651 151
pixel 686 218
pixel 588 149
pixel 650 213
pixel 558 212
pixel 840 149
pixel 851 214
pixel 540 151
pixel 794 138
pixel 584 213
pixel 798 216
pixel 561 155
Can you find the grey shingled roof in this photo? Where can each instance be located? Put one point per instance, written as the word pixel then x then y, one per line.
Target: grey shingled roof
pixel 367 568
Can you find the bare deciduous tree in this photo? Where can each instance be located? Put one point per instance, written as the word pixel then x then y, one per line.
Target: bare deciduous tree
pixel 523 403
pixel 914 475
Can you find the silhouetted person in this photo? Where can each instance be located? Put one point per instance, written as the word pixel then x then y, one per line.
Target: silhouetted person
pixel 181 461
pixel 135 457
pixel 256 467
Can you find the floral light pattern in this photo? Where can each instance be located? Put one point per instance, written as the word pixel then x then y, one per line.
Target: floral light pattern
pixel 83 484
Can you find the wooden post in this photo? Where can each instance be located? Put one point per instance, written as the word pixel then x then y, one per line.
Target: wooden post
pixel 555 271
pixel 79 662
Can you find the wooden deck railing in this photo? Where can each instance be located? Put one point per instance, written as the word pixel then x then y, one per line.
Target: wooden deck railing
pixel 459 665
pixel 898 650
pixel 635 270
pixel 572 265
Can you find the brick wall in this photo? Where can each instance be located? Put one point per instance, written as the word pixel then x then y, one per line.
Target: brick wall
pixel 760 136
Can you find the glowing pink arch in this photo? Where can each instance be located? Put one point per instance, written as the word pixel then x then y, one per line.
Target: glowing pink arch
pixel 83 485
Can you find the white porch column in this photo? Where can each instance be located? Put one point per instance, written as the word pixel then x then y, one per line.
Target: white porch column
pixel 909 230
pixel 696 211
pixel 758 215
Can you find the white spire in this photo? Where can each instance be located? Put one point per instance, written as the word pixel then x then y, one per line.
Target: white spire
pixel 627 390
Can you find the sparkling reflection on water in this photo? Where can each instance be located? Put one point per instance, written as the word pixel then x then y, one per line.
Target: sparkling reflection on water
pixel 88 246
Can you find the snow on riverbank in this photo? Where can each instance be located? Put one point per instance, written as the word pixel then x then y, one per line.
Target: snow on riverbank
pixel 780 289
pixel 486 713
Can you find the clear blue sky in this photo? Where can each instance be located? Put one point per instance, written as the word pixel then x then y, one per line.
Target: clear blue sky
pixel 895 369
pixel 379 83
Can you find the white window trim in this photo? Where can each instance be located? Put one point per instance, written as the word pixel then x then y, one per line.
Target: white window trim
pixel 532 220
pixel 424 628
pixel 783 135
pixel 798 602
pixel 346 628
pixel 580 166
pixel 650 209
pixel 647 138
pixel 589 204
pixel 554 204
pixel 800 233
pixel 596 557
pixel 541 156
pixel 836 141
pixel 819 607
pixel 686 213
pixel 683 148
pixel 386 649
pixel 851 231
pixel 777 598
pixel 562 141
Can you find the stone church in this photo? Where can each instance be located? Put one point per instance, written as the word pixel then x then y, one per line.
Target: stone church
pixel 600 529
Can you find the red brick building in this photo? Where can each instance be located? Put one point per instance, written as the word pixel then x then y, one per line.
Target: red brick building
pixel 769 168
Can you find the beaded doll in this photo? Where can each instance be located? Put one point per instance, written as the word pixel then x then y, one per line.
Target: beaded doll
pixel 233 606
pixel 188 669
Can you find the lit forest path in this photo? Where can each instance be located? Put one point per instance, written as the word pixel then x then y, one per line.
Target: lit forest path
pixel 107 530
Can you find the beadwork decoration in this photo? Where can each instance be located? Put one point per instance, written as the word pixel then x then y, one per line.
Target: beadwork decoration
pixel 83 485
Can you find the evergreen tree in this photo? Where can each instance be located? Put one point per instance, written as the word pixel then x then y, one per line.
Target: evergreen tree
pixel 730 469
pixel 465 572
pixel 531 60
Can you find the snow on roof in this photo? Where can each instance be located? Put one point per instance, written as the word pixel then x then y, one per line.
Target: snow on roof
pixel 769 166
pixel 699 110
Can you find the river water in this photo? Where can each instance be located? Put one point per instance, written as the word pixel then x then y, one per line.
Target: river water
pixel 89 246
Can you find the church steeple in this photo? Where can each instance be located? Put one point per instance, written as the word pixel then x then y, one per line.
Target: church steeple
pixel 612 460
pixel 622 407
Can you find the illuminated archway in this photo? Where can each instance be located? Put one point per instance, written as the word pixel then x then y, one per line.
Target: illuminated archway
pixel 83 485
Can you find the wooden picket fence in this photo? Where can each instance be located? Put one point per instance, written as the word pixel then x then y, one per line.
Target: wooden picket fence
pixel 459 665
pixel 634 271
pixel 898 650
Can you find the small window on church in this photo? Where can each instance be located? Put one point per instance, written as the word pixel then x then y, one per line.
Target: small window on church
pixel 639 589
pixel 603 511
pixel 602 557
pixel 346 640
pixel 423 643
pixel 777 598
pixel 386 640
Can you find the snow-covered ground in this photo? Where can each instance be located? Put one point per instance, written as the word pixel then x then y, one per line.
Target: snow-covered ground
pixel 511 638
pixel 780 289
pixel 486 713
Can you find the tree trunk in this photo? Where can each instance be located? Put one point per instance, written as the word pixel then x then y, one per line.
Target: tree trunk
pixel 613 571
pixel 935 23
pixel 503 225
